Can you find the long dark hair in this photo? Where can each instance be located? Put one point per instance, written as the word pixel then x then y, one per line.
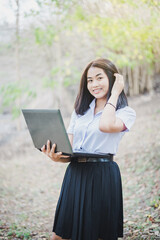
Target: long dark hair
pixel 84 98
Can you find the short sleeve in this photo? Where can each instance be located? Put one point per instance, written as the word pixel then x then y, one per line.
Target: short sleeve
pixel 74 116
pixel 128 116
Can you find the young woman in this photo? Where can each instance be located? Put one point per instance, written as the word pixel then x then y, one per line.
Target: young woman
pixel 90 205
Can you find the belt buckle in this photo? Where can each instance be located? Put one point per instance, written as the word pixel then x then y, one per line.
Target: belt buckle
pixel 82 159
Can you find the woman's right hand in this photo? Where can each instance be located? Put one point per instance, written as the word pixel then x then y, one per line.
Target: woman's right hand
pixel 50 152
pixel 118 85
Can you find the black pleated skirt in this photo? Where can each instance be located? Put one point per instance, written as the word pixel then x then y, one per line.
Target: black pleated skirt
pixel 90 205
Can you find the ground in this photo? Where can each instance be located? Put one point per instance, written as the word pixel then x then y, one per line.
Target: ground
pixel 30 182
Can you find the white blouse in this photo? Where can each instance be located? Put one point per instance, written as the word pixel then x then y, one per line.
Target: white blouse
pixel 87 137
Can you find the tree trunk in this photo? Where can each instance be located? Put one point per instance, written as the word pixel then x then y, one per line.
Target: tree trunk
pixel 18 76
pixel 17 43
pixel 143 77
pixel 136 80
pixel 130 81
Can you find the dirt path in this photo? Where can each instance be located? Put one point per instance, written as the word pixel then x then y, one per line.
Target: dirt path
pixel 30 182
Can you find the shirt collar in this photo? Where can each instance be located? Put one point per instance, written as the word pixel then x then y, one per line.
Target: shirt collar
pixel 92 104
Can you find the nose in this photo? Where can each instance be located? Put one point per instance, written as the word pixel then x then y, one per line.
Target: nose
pixel 95 83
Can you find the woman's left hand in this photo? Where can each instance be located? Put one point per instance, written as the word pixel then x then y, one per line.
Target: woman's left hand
pixel 118 85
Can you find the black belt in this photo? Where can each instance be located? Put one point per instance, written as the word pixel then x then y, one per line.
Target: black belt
pixel 109 158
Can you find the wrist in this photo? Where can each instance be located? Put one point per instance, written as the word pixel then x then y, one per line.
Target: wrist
pixel 115 94
pixel 110 104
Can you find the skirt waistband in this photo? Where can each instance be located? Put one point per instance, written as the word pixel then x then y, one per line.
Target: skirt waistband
pixel 93 159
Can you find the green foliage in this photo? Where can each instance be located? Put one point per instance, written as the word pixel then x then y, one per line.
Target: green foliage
pixel 45 36
pixel 128 39
pixel 54 71
pixel 49 83
pixel 80 14
pixel 70 75
pixel 124 34
pixel 20 233
pixel 152 3
pixel 12 93
pixel 155 203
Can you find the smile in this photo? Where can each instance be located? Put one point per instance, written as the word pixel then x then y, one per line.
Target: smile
pixel 97 90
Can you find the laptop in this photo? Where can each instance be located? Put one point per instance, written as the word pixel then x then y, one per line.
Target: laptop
pixel 47 124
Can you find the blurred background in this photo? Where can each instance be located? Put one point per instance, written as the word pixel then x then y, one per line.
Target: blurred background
pixel 44 47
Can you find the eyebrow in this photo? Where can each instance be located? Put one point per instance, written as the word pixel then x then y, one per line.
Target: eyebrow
pixel 96 75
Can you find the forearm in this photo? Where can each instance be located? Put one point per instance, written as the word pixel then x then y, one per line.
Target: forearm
pixel 108 117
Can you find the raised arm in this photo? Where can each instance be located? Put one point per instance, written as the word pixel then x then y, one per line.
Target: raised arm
pixel 108 121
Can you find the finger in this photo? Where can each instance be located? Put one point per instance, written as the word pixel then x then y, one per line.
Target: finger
pixel 59 153
pixel 48 146
pixel 53 148
pixel 43 148
pixel 65 156
pixel 118 75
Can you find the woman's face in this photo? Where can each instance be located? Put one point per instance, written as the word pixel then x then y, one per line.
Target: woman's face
pixel 97 82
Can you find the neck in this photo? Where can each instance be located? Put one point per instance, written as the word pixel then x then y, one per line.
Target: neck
pixel 100 102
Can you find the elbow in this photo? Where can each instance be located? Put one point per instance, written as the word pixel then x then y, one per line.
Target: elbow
pixel 105 128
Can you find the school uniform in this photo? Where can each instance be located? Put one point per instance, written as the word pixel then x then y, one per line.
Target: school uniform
pixel 90 205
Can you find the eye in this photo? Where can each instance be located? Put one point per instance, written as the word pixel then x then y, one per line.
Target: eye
pixel 89 80
pixel 99 78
